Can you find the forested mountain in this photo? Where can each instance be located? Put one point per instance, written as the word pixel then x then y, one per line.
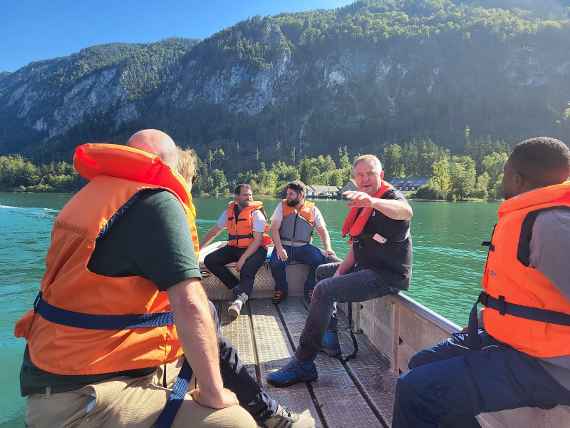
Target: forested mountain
pixel 283 87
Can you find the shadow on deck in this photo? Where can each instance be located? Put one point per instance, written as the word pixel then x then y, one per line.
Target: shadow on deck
pixel 358 393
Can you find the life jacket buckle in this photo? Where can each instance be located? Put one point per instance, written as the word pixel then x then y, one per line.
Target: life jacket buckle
pixel 502 305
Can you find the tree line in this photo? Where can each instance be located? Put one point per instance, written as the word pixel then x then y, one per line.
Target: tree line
pixel 476 172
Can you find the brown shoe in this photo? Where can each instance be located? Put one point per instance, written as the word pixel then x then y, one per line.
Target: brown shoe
pixel 278 296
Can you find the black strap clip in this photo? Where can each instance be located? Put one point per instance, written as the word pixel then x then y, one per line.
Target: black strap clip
pixel 502 305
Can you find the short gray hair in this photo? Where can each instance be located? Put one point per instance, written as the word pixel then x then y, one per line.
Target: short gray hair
pixel 372 159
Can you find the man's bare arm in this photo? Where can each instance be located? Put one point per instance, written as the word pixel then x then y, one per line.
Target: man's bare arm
pixel 252 248
pixel 325 239
pixel 212 233
pixel 275 226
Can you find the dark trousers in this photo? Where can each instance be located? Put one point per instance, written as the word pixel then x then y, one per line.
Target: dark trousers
pixel 237 379
pixel 305 254
pixel 356 286
pixel 450 384
pixel 216 263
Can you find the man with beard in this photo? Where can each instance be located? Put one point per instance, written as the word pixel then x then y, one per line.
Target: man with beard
pixel 247 228
pixel 516 352
pixel 292 225
pixel 378 263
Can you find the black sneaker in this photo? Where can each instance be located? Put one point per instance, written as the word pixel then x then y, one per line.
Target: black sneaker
pixel 285 418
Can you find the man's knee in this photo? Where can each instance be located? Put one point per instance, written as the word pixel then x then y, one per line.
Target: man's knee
pixel 420 358
pixel 325 271
pixel 321 291
pixel 191 414
pixel 210 260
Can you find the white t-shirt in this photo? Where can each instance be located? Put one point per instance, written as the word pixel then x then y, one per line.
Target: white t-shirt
pixel 259 221
pixel 278 215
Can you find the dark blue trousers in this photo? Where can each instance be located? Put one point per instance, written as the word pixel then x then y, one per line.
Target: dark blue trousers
pixel 306 254
pixel 449 384
pixel 237 379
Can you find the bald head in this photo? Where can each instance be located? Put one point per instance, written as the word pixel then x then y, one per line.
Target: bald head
pixel 155 142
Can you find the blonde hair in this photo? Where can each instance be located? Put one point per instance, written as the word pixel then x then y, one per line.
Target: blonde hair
pixel 373 160
pixel 187 164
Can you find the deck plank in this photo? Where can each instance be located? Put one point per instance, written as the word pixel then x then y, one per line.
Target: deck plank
pixel 371 370
pixel 273 351
pixel 339 398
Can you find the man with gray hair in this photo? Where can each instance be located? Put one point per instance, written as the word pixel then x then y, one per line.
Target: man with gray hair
pixel 378 263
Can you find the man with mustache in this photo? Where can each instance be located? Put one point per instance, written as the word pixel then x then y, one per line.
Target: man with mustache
pixel 292 226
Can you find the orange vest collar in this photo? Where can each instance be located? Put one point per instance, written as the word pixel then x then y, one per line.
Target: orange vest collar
pixel 358 217
pixel 543 195
pixel 92 160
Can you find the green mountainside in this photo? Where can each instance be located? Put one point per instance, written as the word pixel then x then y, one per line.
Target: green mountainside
pixel 284 87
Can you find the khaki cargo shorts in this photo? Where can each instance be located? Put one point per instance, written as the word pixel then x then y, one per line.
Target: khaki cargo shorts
pixel 127 402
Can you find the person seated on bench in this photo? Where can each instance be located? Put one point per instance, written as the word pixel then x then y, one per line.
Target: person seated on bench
pixel 292 226
pixel 247 227
pixel 521 355
pixel 378 263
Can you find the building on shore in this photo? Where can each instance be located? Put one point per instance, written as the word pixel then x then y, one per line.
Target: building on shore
pixel 408 184
pixel 317 191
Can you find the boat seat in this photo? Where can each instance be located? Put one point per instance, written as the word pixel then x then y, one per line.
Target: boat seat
pixel 264 283
pixel 558 417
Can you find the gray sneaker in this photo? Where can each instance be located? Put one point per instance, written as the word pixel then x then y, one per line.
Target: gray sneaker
pixel 285 418
pixel 235 308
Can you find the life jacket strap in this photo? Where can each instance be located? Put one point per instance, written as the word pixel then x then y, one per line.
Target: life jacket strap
pixel 236 237
pixel 176 397
pixel 527 312
pixel 100 322
pixel 506 308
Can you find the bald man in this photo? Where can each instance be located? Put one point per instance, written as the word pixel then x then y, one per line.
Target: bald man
pixel 122 378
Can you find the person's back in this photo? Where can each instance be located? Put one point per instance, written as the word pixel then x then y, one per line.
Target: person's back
pixel 518 354
pixel 103 346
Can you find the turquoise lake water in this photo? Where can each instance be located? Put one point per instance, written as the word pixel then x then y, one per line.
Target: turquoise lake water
pixel 448 261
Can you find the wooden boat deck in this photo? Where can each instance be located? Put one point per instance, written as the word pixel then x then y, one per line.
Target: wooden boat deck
pixel 357 393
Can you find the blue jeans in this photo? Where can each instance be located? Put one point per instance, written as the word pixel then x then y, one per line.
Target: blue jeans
pixel 306 254
pixel 449 384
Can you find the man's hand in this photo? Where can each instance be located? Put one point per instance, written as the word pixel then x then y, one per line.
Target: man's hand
pixel 240 263
pixel 282 254
pixel 226 399
pixel 330 253
pixel 358 199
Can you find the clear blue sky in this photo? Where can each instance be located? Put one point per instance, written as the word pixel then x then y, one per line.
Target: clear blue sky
pixel 31 30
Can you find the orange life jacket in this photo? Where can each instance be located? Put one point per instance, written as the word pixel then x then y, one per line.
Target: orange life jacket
pixel 116 174
pixel 240 228
pixel 357 218
pixel 514 290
